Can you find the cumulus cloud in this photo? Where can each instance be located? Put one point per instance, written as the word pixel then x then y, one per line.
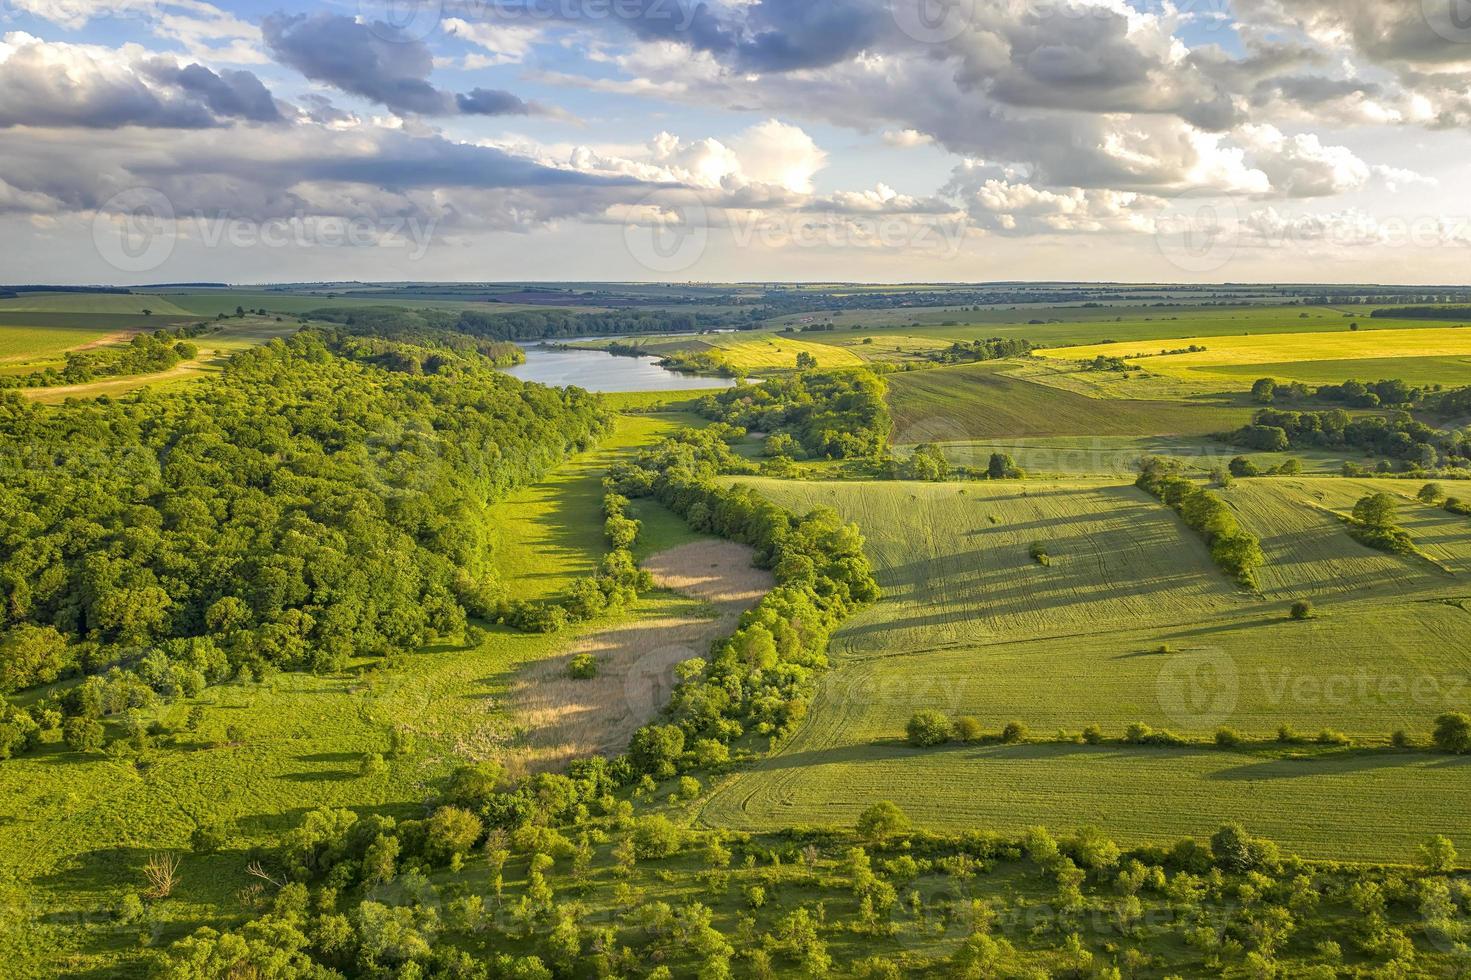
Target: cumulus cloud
pixel 46 83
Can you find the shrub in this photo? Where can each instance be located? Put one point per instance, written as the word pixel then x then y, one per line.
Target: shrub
pixel 968 729
pixel 1227 738
pixel 1302 609
pixel 82 734
pixel 583 667
pixel 1329 737
pixel 928 728
pixel 1431 493
pixel 1093 735
pixel 1400 739
pixel 1287 736
pixel 1453 733
pixel 207 838
pixel 1040 555
pixel 882 819
pixel 1014 732
pixel 655 836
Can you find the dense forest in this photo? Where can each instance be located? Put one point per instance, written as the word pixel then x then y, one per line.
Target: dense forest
pixel 841 414
pixel 306 506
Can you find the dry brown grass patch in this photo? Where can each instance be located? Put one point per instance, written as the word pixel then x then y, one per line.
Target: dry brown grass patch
pixel 567 719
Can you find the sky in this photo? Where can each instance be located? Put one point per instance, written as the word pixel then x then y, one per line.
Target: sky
pixel 249 141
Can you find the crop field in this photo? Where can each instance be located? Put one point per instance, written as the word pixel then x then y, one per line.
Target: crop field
pixel 1129 623
pixel 1069 325
pixel 1119 455
pixel 1450 371
pixel 1365 808
pixel 979 401
pixel 779 353
pixel 1246 355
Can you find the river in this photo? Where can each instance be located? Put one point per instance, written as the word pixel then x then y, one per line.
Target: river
pixel 599 371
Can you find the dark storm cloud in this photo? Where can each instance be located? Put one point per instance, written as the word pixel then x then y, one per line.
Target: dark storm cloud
pixel 378 63
pixel 234 94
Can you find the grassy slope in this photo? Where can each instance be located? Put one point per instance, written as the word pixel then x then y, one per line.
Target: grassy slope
pixel 971 625
pixel 977 401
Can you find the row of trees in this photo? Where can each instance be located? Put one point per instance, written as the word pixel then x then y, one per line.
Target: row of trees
pixel 1236 550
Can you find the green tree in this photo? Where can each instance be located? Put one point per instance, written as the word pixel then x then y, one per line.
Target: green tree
pixel 928 728
pixel 1453 733
pixel 1377 511
pixel 882 820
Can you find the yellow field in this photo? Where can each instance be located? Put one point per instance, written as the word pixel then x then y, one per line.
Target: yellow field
pixel 1275 349
pixel 780 353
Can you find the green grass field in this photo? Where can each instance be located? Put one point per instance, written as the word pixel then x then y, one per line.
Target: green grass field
pixel 1365 808
pixel 88 303
pixel 550 533
pixel 979 401
pixel 972 625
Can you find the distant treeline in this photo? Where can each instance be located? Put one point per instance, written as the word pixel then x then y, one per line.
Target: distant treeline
pixel 1423 313
pixel 398 322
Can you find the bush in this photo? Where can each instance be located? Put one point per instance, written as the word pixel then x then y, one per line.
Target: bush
pixel 1093 735
pixel 583 667
pixel 1302 609
pixel 1452 733
pixel 1014 732
pixel 655 836
pixel 1431 493
pixel 82 734
pixel 968 729
pixel 1329 737
pixel 207 838
pixel 882 819
pixel 928 728
pixel 1227 738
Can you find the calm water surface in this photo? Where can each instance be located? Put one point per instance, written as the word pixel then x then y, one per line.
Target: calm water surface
pixel 597 371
